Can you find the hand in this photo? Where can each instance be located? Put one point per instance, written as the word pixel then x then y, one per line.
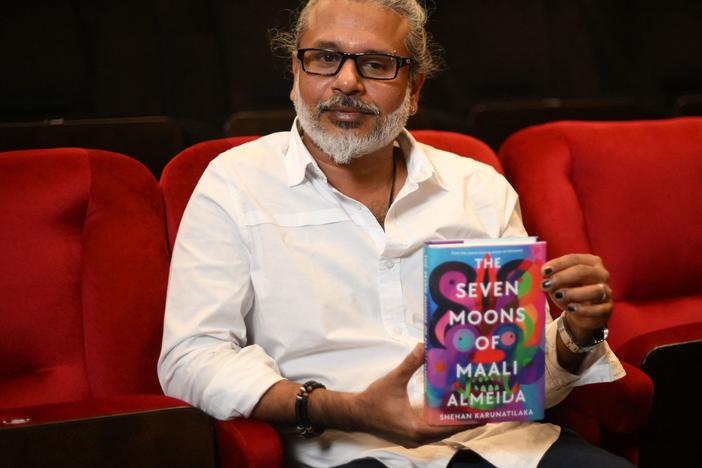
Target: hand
pixel 386 411
pixel 579 284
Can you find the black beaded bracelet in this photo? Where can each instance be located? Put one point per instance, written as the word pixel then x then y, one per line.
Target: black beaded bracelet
pixel 302 419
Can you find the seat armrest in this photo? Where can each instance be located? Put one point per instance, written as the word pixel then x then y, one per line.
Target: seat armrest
pixel 85 409
pixel 622 406
pixel 135 430
pixel 248 443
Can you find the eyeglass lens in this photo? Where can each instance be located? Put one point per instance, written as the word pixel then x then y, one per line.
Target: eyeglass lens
pixel 368 65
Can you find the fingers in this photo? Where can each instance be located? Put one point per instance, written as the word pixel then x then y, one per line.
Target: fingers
pixel 562 263
pixel 589 316
pixel 590 294
pixel 565 272
pixel 579 284
pixel 387 397
pixel 409 364
pixel 577 278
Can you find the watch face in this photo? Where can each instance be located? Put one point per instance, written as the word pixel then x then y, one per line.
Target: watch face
pixel 600 336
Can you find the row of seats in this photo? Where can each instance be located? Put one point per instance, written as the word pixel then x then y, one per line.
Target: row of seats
pixel 493 121
pixel 86 240
pixel 153 140
pixel 200 61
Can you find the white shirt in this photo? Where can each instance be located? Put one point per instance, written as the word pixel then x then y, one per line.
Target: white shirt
pixel 275 274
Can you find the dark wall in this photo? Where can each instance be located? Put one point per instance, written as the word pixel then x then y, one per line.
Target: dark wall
pixel 201 60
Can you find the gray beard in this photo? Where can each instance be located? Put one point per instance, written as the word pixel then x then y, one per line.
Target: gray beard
pixel 347 145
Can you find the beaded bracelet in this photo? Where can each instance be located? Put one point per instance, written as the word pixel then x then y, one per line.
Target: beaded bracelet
pixel 302 419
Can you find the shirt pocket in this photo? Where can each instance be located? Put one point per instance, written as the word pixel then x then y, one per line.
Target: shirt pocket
pixel 302 231
pixel 298 219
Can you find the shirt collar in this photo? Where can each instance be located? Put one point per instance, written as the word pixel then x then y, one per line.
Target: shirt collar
pixel 419 167
pixel 298 160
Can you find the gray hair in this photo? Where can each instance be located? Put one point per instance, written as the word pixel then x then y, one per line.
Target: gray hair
pixel 419 42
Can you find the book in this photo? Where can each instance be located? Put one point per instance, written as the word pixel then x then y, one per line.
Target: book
pixel 485 323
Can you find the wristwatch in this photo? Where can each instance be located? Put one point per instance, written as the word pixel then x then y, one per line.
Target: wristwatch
pixel 570 343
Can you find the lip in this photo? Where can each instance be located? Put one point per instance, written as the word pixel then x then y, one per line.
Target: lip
pixel 346 113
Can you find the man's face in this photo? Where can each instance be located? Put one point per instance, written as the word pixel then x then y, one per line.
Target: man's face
pixel 346 107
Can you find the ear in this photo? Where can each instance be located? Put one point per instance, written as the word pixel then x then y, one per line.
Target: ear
pixel 415 88
pixel 295 71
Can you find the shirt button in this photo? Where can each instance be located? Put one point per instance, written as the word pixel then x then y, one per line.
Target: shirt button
pixel 389 264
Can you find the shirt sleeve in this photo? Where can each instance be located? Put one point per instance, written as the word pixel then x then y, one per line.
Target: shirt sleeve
pixel 205 359
pixel 512 225
pixel 600 365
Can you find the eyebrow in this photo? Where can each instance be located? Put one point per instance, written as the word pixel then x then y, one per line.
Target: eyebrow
pixel 333 46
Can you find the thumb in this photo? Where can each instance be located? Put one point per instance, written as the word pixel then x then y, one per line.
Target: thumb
pixel 410 364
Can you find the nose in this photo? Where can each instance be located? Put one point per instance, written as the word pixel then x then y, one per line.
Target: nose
pixel 348 80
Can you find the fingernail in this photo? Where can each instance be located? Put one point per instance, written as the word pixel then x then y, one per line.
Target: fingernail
pixel 545 284
pixel 559 295
pixel 548 271
pixel 571 308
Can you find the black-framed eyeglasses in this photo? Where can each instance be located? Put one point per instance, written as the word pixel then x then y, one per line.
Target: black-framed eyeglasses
pixel 369 65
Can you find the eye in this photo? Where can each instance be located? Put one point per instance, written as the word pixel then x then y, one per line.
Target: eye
pixel 508 338
pixel 377 63
pixel 463 340
pixel 328 58
pixel 322 57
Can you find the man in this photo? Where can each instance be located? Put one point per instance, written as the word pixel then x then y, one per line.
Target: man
pixel 298 260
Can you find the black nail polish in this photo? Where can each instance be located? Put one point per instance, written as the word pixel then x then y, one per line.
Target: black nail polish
pixel 571 308
pixel 545 284
pixel 559 295
pixel 548 271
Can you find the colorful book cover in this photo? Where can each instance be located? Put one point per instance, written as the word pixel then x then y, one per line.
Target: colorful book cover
pixel 484 330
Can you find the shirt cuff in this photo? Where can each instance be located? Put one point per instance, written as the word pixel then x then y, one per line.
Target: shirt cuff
pixel 600 365
pixel 235 391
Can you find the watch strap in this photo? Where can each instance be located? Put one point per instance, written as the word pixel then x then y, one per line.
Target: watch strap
pixel 574 346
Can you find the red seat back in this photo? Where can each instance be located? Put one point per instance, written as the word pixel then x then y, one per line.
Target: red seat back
pixel 181 175
pixel 460 144
pixel 82 278
pixel 630 192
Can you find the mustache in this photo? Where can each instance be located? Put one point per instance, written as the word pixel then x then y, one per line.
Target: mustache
pixel 349 102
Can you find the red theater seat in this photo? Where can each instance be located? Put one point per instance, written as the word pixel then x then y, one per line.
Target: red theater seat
pixel 83 280
pixel 83 276
pixel 630 192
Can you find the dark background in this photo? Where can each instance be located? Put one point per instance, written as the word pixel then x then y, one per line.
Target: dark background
pixel 509 63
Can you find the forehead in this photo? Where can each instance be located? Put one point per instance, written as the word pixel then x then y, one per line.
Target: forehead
pixel 355 26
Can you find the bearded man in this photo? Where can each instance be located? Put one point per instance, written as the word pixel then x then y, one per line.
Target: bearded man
pixel 299 263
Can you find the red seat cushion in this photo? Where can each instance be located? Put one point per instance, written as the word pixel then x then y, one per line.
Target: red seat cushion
pixel 638 328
